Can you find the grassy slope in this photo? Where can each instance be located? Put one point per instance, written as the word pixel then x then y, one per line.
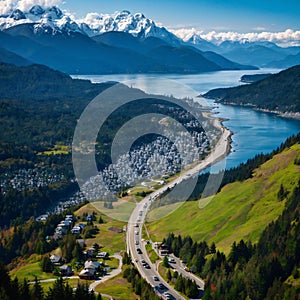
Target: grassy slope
pixel 240 211
pixel 110 241
pixel 117 287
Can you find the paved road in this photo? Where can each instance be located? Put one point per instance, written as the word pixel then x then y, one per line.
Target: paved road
pixel 112 274
pixel 180 268
pixel 135 242
pixel 137 218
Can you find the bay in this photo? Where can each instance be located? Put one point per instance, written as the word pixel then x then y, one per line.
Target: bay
pixel 254 132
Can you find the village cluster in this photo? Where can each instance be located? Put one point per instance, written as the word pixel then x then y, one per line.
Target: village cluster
pixel 157 159
pixel 91 266
pixel 28 178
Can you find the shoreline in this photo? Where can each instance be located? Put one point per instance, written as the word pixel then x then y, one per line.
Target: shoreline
pixel 221 149
pixel 287 114
pixel 225 136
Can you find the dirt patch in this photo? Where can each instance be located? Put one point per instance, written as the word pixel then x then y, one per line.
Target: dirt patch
pixel 116 229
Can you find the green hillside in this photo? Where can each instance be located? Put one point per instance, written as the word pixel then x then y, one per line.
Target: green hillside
pixel 241 210
pixel 277 92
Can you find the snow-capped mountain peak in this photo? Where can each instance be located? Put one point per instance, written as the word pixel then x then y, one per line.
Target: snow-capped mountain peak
pixel 44 20
pixel 135 24
pixel 36 10
pixel 17 15
pixel 53 20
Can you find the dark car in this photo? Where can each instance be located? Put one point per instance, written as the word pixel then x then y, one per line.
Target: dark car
pixel 162 287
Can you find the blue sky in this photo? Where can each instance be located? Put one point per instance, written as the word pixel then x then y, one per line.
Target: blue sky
pixel 206 15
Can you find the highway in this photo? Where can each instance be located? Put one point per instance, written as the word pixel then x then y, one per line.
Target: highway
pixel 137 218
pixel 134 242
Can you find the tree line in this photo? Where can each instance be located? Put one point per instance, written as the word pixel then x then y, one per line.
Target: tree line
pixel 12 289
pixel 264 271
pixel 138 284
pixel 280 92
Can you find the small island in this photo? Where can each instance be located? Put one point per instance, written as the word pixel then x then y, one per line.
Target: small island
pixel 253 78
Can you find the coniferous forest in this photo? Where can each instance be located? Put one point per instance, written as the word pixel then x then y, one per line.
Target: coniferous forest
pixel 261 271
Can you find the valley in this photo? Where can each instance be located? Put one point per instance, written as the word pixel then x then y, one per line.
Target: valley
pixel 149 150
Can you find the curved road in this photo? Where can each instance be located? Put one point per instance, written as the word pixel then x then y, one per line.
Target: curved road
pixel 113 273
pixel 137 218
pixel 93 285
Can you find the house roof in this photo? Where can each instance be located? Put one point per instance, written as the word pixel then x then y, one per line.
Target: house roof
pixel 87 272
pixel 55 258
pixel 65 267
pixel 91 264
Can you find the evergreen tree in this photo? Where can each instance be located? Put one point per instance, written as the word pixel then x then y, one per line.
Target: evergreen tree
pixel 24 291
pixel 126 259
pixel 212 248
pixel 166 262
pixel 179 284
pixel 3 294
pixel 47 265
pixel 37 291
pixel 169 275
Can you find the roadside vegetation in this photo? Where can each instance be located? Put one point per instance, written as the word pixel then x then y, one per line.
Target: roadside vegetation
pixel 240 211
pixel 268 269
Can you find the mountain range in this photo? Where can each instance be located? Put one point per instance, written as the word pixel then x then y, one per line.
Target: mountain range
pixel 260 54
pixel 104 44
pixel 124 43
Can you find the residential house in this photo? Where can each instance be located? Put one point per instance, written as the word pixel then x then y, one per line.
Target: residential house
pixel 90 270
pixel 66 270
pixel 103 255
pixel 56 259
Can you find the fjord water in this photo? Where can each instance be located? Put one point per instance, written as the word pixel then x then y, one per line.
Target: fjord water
pixel 254 132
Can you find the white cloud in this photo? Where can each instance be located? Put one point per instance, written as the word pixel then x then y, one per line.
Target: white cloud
pixel 25 5
pixel 6 6
pixel 93 19
pixel 287 37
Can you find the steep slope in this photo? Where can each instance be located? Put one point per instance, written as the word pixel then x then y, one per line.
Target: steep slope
pixel 226 63
pixel 74 52
pixel 37 82
pixel 116 52
pixel 253 55
pixel 187 59
pixel 12 58
pixel 279 92
pixel 128 41
pixel 289 61
pixel 241 210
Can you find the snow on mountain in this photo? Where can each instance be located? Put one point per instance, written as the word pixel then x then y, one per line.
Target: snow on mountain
pixel 50 20
pixel 136 24
pixel 54 20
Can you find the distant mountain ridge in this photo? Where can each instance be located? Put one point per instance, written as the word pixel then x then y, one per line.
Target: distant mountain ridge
pixel 261 54
pixel 127 44
pixel 278 92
